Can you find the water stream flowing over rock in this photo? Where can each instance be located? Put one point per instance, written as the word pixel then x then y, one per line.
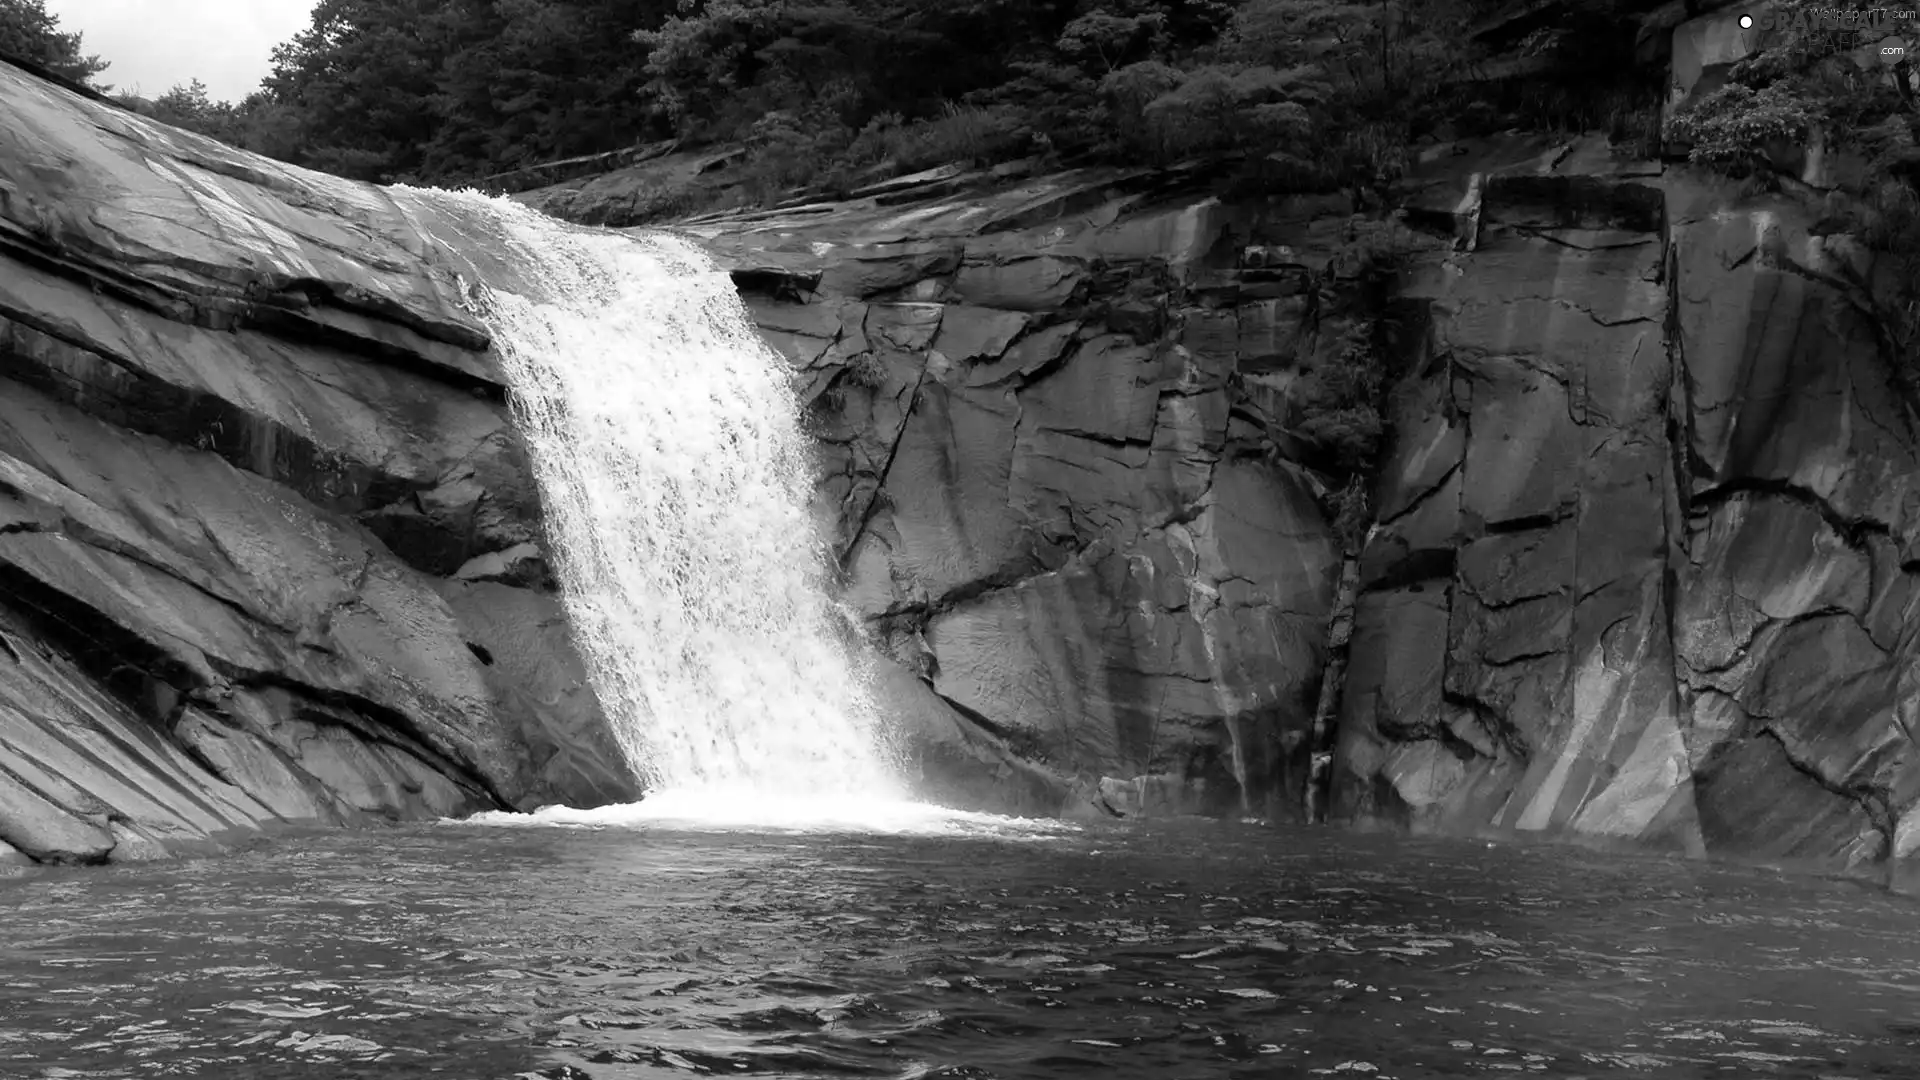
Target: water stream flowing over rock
pixel 666 441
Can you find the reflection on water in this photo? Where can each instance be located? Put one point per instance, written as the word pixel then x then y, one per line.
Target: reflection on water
pixel 1174 952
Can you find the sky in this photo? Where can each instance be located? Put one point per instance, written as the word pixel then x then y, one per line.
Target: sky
pixel 154 44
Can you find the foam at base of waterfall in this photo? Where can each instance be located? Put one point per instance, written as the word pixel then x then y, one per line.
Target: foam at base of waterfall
pixel 737 810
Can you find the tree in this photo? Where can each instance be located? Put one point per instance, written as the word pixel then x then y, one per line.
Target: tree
pixel 189 107
pixel 29 32
pixel 360 79
pixel 526 81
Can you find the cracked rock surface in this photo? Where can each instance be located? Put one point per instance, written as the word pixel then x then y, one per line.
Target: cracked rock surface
pixel 268 545
pixel 1646 564
pixel 1052 423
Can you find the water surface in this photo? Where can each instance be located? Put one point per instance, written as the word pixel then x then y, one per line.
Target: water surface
pixel 1183 950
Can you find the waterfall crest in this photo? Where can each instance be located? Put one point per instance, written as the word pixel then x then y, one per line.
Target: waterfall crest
pixel 666 441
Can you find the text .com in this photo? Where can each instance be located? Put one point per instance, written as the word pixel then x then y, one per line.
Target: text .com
pixel 1835 30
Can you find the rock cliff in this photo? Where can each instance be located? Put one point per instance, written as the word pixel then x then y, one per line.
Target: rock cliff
pixel 1642 570
pixel 1645 566
pixel 1050 465
pixel 265 533
pixel 1643 563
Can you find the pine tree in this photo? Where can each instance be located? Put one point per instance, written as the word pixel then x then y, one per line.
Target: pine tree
pixel 29 32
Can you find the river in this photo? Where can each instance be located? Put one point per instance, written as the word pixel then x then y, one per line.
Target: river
pixel 1022 950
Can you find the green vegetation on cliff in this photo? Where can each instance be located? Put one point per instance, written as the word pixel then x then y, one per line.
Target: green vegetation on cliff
pixel 1798 91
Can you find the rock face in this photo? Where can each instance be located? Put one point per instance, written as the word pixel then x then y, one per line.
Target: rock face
pixel 264 523
pixel 1645 569
pixel 1644 563
pixel 1047 417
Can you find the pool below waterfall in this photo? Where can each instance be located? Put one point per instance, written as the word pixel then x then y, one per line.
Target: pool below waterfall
pixel 1017 950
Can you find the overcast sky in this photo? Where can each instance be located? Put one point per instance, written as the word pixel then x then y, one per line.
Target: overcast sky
pixel 153 44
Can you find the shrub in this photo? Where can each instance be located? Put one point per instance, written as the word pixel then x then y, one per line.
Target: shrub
pixel 866 370
pixel 1337 403
pixel 1737 129
pixel 1351 511
pixel 965 133
pixel 1889 224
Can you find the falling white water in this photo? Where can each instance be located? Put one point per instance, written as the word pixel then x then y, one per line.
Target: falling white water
pixel 665 439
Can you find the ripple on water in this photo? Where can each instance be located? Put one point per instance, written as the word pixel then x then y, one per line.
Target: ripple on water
pixel 646 947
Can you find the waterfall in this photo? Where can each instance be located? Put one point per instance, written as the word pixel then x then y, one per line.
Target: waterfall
pixel 666 442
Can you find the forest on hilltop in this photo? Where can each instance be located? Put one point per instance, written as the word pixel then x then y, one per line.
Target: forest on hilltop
pixel 828 93
pixel 448 91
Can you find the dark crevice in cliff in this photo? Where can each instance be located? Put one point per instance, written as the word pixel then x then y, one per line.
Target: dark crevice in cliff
pixel 48 255
pixel 51 329
pixel 161 730
pixel 1548 234
pixel 790 286
pixel 1414 568
pixel 1526 523
pixel 295 324
pixel 288 312
pixel 921 611
pixel 1854 531
pixel 1903 437
pixel 1859 295
pixel 1421 497
pixel 212 424
pixel 886 470
pixel 1508 603
pixel 1680 405
pixel 1587 594
pixel 372 721
pixel 45 856
pixel 122 660
pixel 1027 746
pixel 118 659
pixel 1490 721
pixel 1102 438
pixel 90 538
pixel 214 769
pixel 1604 321
pixel 1549 650
pixel 1874 800
pixel 977 718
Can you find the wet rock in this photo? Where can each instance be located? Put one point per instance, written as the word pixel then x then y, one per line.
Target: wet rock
pixel 540 688
pixel 957 761
pixel 130 845
pixel 1037 506
pixel 524 565
pixel 1665 565
pixel 46 832
pixel 1643 570
pixel 245 423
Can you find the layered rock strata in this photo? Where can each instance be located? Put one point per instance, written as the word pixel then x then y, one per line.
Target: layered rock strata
pixel 268 547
